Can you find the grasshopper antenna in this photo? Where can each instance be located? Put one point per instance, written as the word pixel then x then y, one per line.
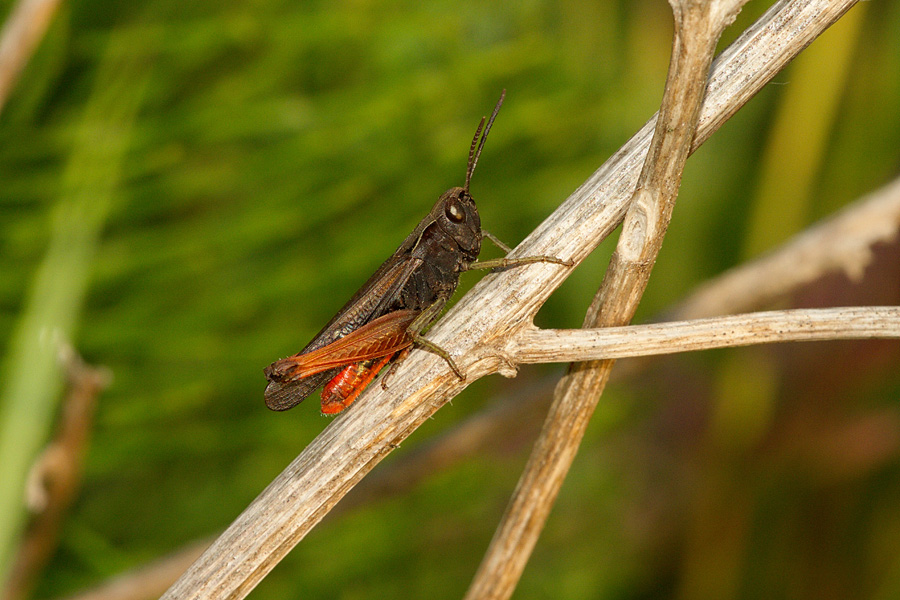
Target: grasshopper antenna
pixel 479 139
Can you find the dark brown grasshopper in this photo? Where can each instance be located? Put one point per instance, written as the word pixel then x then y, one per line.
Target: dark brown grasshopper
pixel 388 314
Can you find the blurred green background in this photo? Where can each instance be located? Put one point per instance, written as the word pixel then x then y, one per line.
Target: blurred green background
pixel 200 186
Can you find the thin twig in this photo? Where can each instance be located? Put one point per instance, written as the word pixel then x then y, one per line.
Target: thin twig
pixel 21 34
pixel 148 581
pixel 56 476
pixel 698 26
pixel 796 325
pixel 843 242
pixel 476 327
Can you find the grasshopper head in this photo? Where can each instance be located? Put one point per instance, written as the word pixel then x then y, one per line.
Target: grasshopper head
pixel 456 213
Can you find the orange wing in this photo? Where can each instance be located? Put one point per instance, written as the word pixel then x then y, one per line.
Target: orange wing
pixel 381 337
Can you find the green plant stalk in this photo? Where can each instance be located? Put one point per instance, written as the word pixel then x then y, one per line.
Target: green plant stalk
pixel 30 371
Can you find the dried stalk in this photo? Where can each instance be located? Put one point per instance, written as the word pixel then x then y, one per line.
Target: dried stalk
pixel 56 476
pixel 698 26
pixel 149 581
pixel 843 243
pixel 797 325
pixel 476 329
pixel 22 32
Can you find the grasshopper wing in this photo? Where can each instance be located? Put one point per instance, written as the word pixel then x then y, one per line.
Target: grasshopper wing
pixel 292 379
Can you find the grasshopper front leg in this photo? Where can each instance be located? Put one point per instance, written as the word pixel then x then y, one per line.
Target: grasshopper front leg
pixel 505 263
pixel 431 313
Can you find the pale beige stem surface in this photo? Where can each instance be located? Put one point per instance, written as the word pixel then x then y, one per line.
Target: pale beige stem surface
pixel 841 243
pixel 148 581
pixel 22 32
pixel 796 325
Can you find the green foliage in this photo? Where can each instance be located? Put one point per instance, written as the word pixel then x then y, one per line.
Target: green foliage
pixel 270 155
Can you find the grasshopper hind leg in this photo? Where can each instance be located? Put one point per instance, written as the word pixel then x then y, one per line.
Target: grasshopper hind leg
pixel 425 319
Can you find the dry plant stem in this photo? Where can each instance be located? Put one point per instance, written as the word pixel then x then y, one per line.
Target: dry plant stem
pixel 512 415
pixel 56 476
pixel 23 30
pixel 147 582
pixel 843 242
pixel 477 328
pixel 797 325
pixel 698 25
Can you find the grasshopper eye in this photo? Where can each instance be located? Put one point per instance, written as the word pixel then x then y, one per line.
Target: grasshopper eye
pixel 455 212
